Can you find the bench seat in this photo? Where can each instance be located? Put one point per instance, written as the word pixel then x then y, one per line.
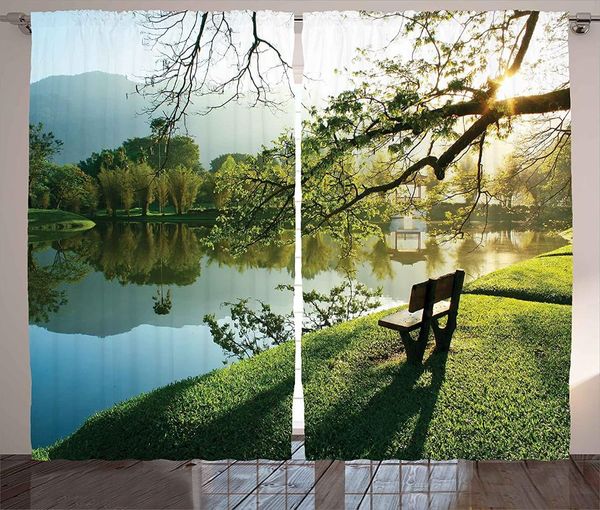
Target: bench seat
pixel 406 321
pixel 430 300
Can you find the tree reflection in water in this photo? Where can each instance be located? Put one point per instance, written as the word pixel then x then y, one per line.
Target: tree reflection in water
pixel 160 254
pixel 162 302
pixel 44 280
pixel 477 253
pixel 167 256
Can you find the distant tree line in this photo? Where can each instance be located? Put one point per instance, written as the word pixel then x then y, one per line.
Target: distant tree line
pixel 141 172
pixel 535 192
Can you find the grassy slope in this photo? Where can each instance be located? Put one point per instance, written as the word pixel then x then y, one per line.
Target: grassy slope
pixel 564 250
pixel 501 392
pixel 48 224
pixel 242 412
pixel 546 279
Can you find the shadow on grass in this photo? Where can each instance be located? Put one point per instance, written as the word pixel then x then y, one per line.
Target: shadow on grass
pixel 501 394
pixel 391 423
pixel 171 424
pixel 561 254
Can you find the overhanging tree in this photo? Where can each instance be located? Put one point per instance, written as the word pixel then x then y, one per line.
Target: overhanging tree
pixel 424 112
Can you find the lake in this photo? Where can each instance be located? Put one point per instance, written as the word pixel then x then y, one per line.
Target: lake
pixel 117 310
pixel 409 256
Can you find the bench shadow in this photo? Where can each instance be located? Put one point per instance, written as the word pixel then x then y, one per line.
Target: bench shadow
pixel 393 424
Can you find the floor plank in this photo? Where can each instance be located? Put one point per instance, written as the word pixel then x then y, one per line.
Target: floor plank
pixel 299 484
pixel 589 468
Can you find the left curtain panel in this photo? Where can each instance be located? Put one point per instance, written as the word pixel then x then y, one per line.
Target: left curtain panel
pixel 161 235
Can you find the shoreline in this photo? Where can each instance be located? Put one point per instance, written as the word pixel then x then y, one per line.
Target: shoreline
pixel 474 308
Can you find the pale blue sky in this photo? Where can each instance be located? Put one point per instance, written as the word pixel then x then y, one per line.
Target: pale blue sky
pixel 74 42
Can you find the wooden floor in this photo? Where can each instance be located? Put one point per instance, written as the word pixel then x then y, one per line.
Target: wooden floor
pixel 297 483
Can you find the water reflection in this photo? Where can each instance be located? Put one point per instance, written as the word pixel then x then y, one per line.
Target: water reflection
pixel 165 256
pixel 404 257
pixel 45 277
pixel 117 311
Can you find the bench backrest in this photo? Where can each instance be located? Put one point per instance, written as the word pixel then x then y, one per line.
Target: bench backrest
pixel 448 286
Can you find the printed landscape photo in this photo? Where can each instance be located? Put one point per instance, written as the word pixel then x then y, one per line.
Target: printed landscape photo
pixel 148 294
pixel 161 235
pixel 437 142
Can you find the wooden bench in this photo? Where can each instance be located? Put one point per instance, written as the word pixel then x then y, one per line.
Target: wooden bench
pixel 429 302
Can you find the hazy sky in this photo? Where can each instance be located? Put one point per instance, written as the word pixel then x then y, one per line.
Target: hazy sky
pixel 75 42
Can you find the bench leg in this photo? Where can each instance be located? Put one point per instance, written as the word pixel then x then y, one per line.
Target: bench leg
pixel 443 336
pixel 415 349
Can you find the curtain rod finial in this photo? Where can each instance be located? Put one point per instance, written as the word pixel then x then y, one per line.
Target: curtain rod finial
pixel 580 24
pixel 20 19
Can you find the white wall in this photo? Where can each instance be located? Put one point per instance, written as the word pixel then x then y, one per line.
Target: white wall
pixel 15 386
pixel 14 103
pixel 585 356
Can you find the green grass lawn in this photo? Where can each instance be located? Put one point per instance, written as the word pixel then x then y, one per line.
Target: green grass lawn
pixel 564 250
pixel 50 224
pixel 547 279
pixel 207 216
pixel 243 411
pixel 500 393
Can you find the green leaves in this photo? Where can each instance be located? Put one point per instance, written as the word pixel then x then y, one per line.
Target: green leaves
pixel 184 184
pixel 42 147
pixel 251 330
pixel 255 198
pixel 253 327
pixel 344 302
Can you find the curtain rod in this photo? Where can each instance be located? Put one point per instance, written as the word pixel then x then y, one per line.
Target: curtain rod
pixel 580 23
pixel 23 21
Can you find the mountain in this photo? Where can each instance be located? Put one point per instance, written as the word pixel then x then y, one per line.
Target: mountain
pixel 94 111
pixel 88 112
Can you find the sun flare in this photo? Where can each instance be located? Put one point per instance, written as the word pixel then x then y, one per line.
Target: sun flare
pixel 511 87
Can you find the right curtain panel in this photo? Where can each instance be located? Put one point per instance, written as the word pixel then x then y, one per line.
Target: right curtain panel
pixel 436 217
